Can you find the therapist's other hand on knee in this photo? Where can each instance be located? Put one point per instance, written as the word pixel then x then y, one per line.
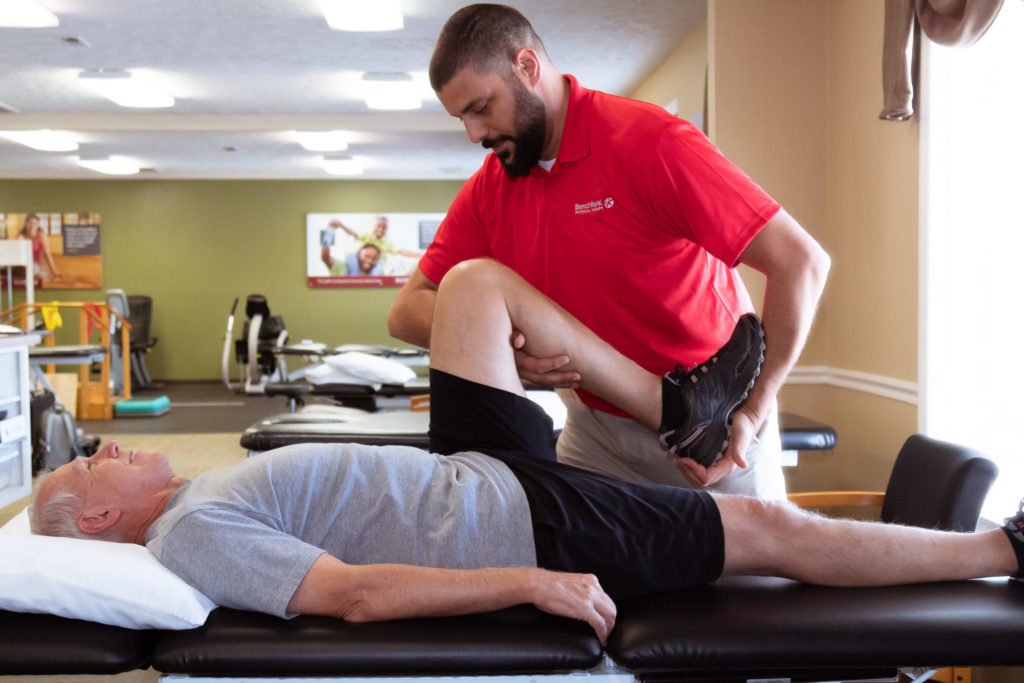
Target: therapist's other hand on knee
pixel 546 372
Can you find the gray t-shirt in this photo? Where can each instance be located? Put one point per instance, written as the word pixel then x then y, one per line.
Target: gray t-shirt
pixel 246 536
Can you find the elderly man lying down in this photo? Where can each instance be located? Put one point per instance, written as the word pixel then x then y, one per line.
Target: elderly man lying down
pixel 366 533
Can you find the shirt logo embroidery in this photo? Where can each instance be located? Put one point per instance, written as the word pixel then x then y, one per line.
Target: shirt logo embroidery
pixel 594 206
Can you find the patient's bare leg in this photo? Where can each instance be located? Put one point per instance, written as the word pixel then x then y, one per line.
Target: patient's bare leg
pixel 480 302
pixel 778 539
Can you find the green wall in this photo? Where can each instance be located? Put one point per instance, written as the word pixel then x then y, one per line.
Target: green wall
pixel 195 245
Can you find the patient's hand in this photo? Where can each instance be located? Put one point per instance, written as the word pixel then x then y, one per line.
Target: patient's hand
pixel 578 596
pixel 546 372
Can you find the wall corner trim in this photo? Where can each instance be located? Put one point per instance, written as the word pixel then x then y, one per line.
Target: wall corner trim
pixel 879 385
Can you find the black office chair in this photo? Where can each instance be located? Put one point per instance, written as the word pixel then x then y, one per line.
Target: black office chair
pixel 934 484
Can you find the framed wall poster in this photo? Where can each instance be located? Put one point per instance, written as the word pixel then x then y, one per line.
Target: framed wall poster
pixel 366 249
pixel 65 249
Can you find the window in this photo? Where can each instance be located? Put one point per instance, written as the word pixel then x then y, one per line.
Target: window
pixel 972 266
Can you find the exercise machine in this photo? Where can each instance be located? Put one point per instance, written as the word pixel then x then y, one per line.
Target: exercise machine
pixel 256 350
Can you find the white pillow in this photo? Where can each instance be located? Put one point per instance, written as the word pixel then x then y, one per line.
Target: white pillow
pixel 372 369
pixel 121 584
pixel 325 374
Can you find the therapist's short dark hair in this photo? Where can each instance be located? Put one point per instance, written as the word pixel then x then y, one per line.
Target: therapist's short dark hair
pixel 483 36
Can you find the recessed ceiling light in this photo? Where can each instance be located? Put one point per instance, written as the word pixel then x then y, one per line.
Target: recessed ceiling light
pixel 112 165
pixel 342 166
pixel 390 91
pixel 43 140
pixel 126 89
pixel 322 140
pixel 26 14
pixel 363 15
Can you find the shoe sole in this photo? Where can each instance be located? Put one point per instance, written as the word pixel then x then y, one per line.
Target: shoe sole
pixel 703 430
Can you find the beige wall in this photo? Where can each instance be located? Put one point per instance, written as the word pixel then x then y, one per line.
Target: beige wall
pixel 872 190
pixel 681 76
pixel 794 94
pixel 767 99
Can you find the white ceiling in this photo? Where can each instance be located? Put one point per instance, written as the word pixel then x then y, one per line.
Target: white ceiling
pixel 245 72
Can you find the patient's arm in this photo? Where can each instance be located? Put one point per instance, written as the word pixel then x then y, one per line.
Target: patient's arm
pixel 395 591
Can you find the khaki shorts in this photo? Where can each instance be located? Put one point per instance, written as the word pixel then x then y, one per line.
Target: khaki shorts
pixel 620 447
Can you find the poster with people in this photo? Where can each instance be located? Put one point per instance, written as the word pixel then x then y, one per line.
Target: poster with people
pixel 366 249
pixel 65 249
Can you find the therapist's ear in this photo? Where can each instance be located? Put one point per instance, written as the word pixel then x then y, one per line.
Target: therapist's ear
pixel 96 521
pixel 527 66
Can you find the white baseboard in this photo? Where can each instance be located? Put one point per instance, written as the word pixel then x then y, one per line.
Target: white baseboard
pixel 879 385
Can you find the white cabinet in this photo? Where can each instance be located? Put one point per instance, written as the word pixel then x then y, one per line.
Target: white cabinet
pixel 15 426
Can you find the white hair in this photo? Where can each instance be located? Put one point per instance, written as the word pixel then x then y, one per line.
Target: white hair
pixel 58 515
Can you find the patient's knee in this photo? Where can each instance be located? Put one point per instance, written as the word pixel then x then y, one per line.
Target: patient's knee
pixel 761 527
pixel 479 275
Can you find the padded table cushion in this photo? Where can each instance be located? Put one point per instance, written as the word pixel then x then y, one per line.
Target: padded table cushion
pixel 419 385
pixel 799 433
pixel 406 428
pixel 757 624
pixel 45 644
pixel 521 639
pixel 400 428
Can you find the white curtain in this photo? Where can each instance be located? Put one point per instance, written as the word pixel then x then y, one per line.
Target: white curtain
pixel 972 286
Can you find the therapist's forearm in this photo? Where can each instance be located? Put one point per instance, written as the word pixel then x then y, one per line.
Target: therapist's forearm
pixel 411 321
pixel 790 302
pixel 412 314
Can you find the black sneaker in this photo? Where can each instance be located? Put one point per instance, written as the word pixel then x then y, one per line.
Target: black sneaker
pixel 1014 528
pixel 697 406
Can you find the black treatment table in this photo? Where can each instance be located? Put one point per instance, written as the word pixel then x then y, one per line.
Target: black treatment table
pixel 734 629
pixel 409 428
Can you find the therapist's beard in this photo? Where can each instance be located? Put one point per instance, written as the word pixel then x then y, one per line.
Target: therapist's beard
pixel 530 122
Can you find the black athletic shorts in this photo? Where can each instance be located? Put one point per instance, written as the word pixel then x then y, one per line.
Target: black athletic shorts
pixel 636 538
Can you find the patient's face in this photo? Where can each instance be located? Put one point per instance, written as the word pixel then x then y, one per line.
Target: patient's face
pixel 113 476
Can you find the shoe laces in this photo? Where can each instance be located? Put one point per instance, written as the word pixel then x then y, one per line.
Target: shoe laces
pixel 678 374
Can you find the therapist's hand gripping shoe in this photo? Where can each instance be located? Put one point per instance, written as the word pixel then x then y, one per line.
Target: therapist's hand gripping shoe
pixel 1014 528
pixel 697 406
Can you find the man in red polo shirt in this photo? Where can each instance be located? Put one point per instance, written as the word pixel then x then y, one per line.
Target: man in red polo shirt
pixel 634 222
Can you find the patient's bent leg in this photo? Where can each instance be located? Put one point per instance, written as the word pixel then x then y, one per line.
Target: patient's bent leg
pixel 766 538
pixel 479 304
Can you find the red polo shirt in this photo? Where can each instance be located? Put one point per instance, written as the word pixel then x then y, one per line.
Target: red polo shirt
pixel 636 230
